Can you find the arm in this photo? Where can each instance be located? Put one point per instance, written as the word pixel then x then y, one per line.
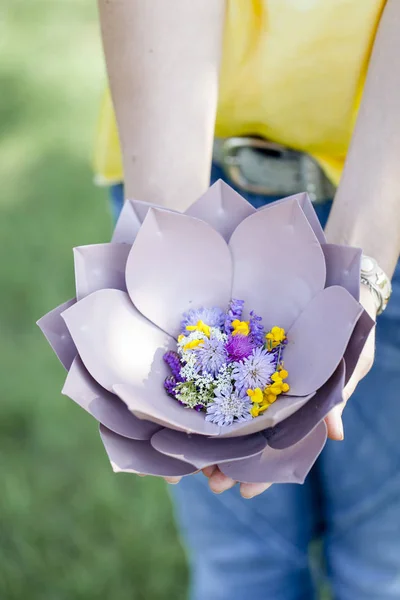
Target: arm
pixel 162 61
pixel 366 211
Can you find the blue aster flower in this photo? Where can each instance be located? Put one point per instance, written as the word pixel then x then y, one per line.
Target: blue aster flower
pixel 213 317
pixel 211 356
pixel 254 371
pixel 228 407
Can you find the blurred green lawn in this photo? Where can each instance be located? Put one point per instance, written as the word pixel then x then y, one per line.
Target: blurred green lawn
pixel 69 528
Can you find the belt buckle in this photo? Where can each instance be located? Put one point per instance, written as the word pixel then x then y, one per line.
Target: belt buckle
pixel 230 161
pixel 295 172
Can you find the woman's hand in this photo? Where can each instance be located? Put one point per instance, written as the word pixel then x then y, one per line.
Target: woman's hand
pixel 219 483
pixel 365 362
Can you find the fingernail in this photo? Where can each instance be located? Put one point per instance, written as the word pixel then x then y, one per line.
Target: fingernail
pixel 172 480
pixel 220 483
pixel 254 490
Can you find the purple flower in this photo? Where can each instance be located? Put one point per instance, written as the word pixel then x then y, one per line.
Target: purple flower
pixel 228 407
pixel 211 356
pixel 174 363
pixel 239 347
pixel 235 311
pixel 256 329
pixel 254 371
pixel 213 317
pixel 169 385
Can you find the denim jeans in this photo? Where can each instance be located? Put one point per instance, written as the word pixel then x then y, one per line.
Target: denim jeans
pixel 259 549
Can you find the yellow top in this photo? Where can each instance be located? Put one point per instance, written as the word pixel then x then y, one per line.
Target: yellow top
pixel 292 71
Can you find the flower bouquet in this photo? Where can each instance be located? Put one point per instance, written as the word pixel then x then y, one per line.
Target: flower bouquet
pixel 220 336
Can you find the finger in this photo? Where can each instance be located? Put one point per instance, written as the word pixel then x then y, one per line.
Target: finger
pixel 249 490
pixel 219 482
pixel 208 471
pixel 351 385
pixel 334 423
pixel 172 480
pixel 334 418
pixel 363 366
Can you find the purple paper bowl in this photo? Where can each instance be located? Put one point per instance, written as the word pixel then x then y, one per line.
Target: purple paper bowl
pixel 132 292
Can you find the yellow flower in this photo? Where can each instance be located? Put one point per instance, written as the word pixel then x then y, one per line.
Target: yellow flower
pixel 275 337
pixel 270 398
pixel 263 399
pixel 193 344
pixel 255 395
pixel 240 327
pixel 276 388
pixel 282 373
pixel 277 377
pixel 200 326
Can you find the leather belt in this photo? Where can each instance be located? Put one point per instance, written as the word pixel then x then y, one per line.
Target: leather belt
pixel 261 167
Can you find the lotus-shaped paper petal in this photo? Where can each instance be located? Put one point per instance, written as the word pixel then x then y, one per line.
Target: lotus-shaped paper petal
pixel 164 286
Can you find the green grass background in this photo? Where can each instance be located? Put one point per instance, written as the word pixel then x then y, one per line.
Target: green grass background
pixel 69 528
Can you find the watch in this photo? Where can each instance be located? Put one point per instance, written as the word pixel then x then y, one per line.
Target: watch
pixel 378 282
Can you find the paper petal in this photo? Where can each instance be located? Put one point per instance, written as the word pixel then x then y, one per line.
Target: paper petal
pixel 132 456
pixel 343 267
pixel 278 263
pixel 127 226
pixel 318 339
pixel 116 343
pixel 222 208
pixel 105 407
pixel 280 410
pixel 129 222
pixel 57 334
pixel 166 411
pixel 177 263
pixel 296 427
pixel 308 209
pixel 357 343
pixel 100 266
pixel 279 466
pixel 202 452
